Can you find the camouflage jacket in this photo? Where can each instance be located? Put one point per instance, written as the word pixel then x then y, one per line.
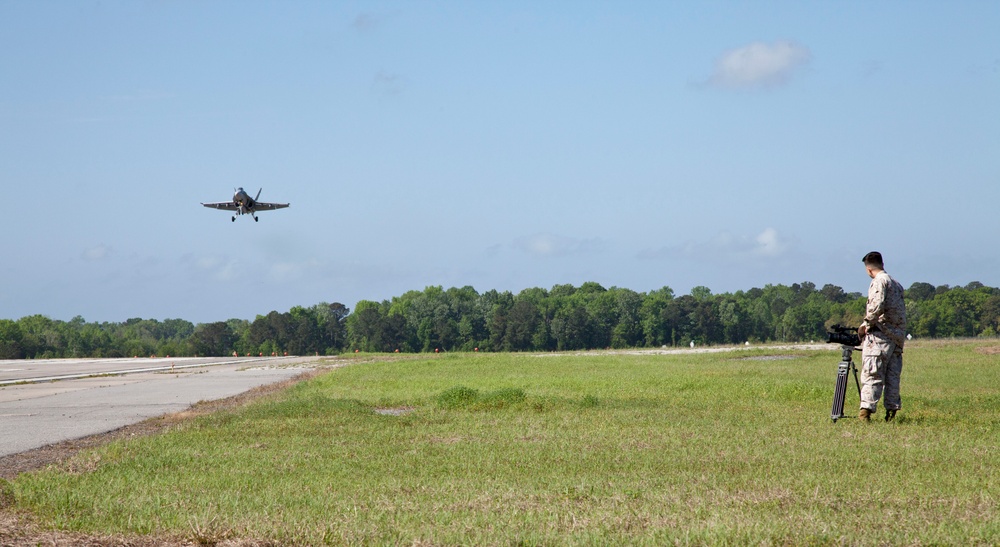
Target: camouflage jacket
pixel 886 311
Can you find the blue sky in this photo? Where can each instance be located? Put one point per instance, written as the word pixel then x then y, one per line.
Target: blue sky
pixel 501 145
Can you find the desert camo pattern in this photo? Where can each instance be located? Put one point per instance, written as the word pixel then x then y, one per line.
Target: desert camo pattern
pixel 882 348
pixel 886 309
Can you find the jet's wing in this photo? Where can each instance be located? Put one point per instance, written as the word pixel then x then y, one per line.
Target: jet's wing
pixel 224 205
pixel 269 206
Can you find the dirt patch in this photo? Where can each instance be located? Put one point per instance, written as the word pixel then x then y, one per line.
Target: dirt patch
pixel 769 358
pixel 400 411
pixel 988 350
pixel 719 349
pixel 21 531
pixel 18 529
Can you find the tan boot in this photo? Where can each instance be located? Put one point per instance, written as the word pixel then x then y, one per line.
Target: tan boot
pixel 865 415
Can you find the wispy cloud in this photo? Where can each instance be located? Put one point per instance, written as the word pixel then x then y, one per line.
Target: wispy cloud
pixel 871 69
pixel 219 268
pixel 95 254
pixel 387 84
pixel 759 65
pixel 366 22
pixel 292 271
pixel 552 245
pixel 728 248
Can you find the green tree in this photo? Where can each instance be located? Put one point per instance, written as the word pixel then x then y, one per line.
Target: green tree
pixel 602 310
pixel 213 339
pixel 269 333
pixel 675 317
pixel 920 291
pixel 704 321
pixel 364 326
pixel 833 293
pixel 990 318
pixel 572 327
pixel 627 332
pixel 304 333
pixel 40 337
pixel 733 319
pixel 331 322
pixel 241 330
pixel 522 322
pixel 378 327
pixel 701 293
pixel 10 340
pixel 500 305
pixel 651 318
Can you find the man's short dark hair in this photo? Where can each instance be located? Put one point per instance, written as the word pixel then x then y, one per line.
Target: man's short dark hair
pixel 874 259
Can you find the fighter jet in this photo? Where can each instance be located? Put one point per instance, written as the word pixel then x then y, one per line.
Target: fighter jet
pixel 243 204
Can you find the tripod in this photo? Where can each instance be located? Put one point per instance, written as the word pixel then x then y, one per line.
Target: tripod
pixel 840 391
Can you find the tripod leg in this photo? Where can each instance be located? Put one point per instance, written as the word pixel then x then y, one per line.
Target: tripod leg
pixel 856 381
pixel 839 390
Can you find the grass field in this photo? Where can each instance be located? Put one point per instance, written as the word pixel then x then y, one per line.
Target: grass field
pixel 721 448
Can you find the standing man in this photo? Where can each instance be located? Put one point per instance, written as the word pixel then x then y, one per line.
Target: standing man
pixel 883 333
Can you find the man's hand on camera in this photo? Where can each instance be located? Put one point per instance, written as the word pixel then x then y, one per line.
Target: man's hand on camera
pixel 862 330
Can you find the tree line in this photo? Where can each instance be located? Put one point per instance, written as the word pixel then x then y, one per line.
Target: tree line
pixel 564 317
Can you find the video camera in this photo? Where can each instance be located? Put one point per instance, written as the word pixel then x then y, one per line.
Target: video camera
pixel 848 339
pixel 845 336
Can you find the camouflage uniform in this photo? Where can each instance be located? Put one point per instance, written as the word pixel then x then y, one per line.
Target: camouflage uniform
pixel 882 348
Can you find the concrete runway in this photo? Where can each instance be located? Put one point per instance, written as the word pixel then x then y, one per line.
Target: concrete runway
pixel 47 401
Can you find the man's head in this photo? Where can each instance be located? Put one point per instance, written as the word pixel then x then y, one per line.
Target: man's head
pixel 873 263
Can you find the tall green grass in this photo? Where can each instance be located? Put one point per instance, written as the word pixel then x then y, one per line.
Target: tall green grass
pixel 725 448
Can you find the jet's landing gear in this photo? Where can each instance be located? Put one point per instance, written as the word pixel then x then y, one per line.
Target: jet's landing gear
pixel 255 219
pixel 234 219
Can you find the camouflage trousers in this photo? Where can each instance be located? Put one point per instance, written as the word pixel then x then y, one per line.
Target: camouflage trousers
pixel 881 367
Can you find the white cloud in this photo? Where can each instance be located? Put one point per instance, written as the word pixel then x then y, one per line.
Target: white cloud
pixel 292 271
pixel 552 245
pixel 219 268
pixel 759 65
pixel 769 244
pixel 95 254
pixel 729 248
